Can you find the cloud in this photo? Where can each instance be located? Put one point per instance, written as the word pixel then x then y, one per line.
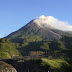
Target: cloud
pixel 45 21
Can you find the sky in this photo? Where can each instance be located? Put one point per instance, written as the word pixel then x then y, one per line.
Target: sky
pixel 16 13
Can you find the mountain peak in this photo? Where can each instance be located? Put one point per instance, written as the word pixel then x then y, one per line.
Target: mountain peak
pixel 43 21
pixel 52 22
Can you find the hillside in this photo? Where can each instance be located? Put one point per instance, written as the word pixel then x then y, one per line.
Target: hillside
pixel 52 47
pixel 32 32
pixel 37 36
pixel 7 49
pixel 58 48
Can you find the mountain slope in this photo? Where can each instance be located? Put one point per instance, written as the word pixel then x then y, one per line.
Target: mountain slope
pixel 7 49
pixel 33 32
pixel 37 36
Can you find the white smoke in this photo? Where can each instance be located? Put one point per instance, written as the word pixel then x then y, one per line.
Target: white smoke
pixel 53 22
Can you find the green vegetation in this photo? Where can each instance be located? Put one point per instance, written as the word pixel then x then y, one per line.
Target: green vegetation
pixel 53 65
pixel 4 55
pixel 40 42
pixel 59 48
pixel 45 46
pixel 57 45
pixel 67 40
pixel 31 37
pixel 7 49
pixel 56 65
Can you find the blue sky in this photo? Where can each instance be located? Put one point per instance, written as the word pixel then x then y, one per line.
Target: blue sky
pixel 16 13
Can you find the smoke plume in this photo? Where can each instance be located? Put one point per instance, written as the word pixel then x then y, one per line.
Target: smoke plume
pixel 44 21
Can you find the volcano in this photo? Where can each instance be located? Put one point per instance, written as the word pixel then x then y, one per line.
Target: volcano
pixel 39 29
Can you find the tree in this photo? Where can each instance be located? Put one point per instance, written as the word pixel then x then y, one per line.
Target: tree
pixel 45 46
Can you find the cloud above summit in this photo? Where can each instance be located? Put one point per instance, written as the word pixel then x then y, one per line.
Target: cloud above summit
pixel 53 22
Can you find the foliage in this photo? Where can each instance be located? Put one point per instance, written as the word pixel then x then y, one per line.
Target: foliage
pixel 7 49
pixel 63 44
pixel 57 45
pixel 45 46
pixel 4 55
pixel 67 40
pixel 53 65
pixel 56 65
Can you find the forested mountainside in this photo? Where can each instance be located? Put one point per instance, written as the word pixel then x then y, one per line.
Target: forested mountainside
pixel 40 45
